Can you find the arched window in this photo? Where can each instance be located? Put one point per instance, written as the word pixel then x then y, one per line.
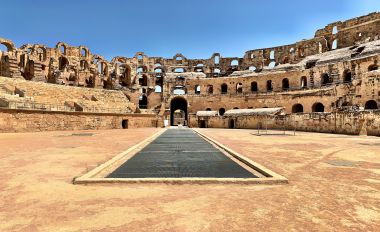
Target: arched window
pixel 158 70
pixel 63 62
pixel 140 57
pixel 143 80
pixel 325 79
pixel 179 70
pixel 41 54
pixel 272 64
pixel 234 63
pixel 285 84
pixel 271 55
pixel 239 88
pixel 224 88
pixel 373 67
pixel 158 89
pixel 83 52
pixel 143 102
pixel 210 89
pixel 303 82
pixel 335 30
pixel 236 108
pixel 216 59
pixel 222 111
pixel 347 77
pixel 62 49
pixel 334 44
pixel 318 107
pixel 208 109
pixel 254 87
pixel 252 68
pixel 197 89
pixel 179 91
pixel 3 48
pixel 216 71
pixel 371 105
pixel 83 65
pixel 297 108
pixel 269 86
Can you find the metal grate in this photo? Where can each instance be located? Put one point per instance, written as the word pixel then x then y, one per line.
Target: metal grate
pixel 180 153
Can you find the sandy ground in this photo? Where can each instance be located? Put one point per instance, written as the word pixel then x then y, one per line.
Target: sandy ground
pixel 36 193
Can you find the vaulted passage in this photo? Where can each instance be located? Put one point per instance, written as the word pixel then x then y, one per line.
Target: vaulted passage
pixel 178 111
pixel 180 153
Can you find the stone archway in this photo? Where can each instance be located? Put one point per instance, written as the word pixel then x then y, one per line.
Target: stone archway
pixel 178 103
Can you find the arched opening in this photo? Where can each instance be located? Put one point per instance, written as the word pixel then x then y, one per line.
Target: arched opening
pixel 285 84
pixel 335 30
pixel 179 90
pixel 236 108
pixel 210 89
pixel 303 82
pixel 231 123
pixel 269 86
pixel 83 52
pixel 63 62
pixel 208 109
pixel 202 124
pixel 158 89
pixel 143 80
pixel 216 72
pixel 334 44
pixel 224 89
pixel 4 47
pixel 216 59
pixel 239 88
pixel 125 77
pixel 83 65
pixel 347 77
pixel 41 54
pixel 222 111
pixel 234 63
pixel 373 67
pixel 371 105
pixel 62 49
pixel 29 70
pixel 178 103
pixel 272 64
pixel 297 108
pixel 143 102
pixel 318 107
pixel 179 70
pixel 271 55
pixel 252 68
pixel 124 124
pixel 254 88
pixel 325 79
pixel 158 70
pixel 197 90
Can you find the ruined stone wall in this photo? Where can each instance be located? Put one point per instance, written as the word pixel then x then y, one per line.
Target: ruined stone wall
pixel 34 121
pixel 353 123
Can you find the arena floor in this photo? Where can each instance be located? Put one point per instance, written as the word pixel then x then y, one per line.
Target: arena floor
pixel 334 185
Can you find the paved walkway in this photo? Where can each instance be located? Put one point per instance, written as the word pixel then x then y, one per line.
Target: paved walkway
pixel 180 153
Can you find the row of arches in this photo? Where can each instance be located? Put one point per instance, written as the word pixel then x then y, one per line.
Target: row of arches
pixel 316 107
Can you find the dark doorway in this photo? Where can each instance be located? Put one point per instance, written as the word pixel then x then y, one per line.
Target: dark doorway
pixel 297 108
pixel 124 124
pixel 178 103
pixel 231 124
pixel 371 105
pixel 202 124
pixel 318 107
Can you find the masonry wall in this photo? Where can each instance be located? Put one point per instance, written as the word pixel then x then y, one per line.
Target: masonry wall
pixel 33 121
pixel 354 123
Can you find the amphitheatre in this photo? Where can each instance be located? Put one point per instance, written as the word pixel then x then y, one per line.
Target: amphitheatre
pixel 284 138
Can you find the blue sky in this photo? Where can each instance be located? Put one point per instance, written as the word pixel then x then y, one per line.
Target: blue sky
pixel 196 28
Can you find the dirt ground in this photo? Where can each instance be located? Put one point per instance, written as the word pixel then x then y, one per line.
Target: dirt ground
pixel 334 185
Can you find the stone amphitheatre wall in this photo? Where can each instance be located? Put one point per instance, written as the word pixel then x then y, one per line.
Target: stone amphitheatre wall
pixel 33 121
pixel 353 123
pixel 336 70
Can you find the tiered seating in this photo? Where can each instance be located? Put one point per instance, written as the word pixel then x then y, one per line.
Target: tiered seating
pixel 38 95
